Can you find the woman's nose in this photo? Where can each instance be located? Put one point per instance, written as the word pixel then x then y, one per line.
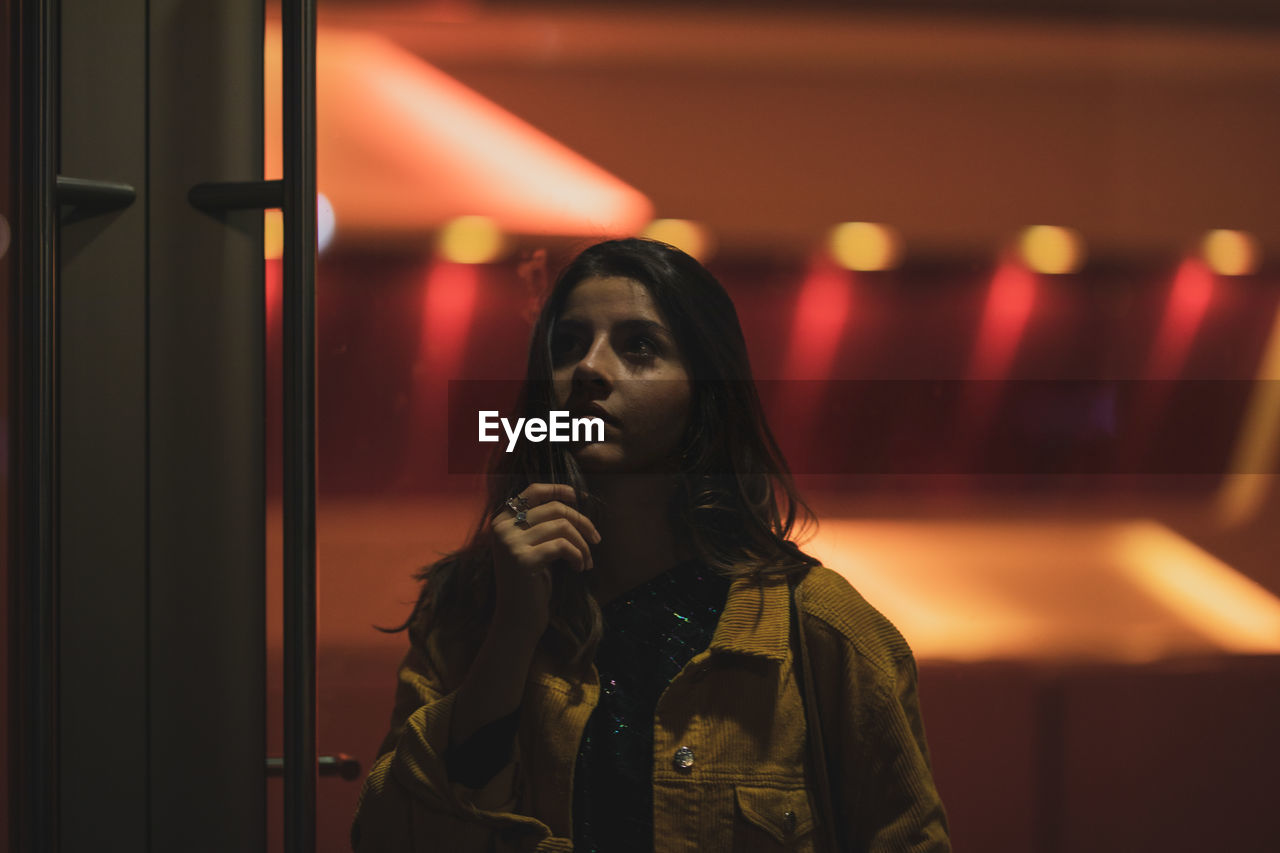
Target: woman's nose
pixel 595 368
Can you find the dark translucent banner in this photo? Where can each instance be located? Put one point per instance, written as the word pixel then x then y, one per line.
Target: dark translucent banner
pixel 970 428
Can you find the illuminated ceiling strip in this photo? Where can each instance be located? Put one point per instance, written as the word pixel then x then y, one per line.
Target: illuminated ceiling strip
pixel 1254 458
pixel 1128 591
pixel 1229 608
pixel 403 148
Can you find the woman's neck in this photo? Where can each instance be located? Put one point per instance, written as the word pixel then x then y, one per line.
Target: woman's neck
pixel 637 541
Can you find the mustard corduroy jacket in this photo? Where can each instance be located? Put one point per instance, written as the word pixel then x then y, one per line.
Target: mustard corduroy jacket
pixel 729 743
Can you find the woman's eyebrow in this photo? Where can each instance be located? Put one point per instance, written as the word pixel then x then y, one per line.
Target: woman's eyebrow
pixel 644 325
pixel 630 324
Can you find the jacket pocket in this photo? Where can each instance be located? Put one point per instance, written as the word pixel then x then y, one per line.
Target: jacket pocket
pixel 772 819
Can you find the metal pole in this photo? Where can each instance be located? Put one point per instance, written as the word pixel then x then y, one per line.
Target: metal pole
pixel 35 570
pixel 298 33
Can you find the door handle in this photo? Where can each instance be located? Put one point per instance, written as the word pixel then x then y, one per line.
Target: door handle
pixel 100 195
pixel 237 195
pixel 326 765
pixel 88 198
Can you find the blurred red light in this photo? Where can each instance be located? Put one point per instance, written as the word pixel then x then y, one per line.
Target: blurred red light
pixel 448 309
pixel 1189 298
pixel 274 291
pixel 1009 302
pixel 822 310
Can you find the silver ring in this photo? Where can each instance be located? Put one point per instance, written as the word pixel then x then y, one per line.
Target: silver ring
pixel 522 517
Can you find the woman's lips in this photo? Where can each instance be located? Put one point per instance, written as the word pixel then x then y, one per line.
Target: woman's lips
pixel 595 411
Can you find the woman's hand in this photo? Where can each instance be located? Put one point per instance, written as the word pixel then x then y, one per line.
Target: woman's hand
pixel 525 549
pixel 537 530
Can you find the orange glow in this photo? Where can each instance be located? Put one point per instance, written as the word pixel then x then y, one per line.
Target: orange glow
pixel 958 590
pixel 1253 461
pixel 273 234
pixel 1188 300
pixel 689 237
pixel 865 246
pixel 1009 302
pixel 1128 591
pixel 822 310
pixel 1231 252
pixel 1051 250
pixel 471 240
pixel 273 228
pixel 403 148
pixel 1228 608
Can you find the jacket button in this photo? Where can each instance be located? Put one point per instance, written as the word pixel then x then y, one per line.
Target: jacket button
pixel 789 822
pixel 683 759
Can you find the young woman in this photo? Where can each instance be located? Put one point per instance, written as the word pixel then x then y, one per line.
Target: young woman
pixel 613 662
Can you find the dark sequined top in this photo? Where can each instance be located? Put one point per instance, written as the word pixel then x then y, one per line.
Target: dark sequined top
pixel 650 633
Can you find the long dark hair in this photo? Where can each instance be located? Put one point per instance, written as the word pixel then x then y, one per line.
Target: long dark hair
pixel 736 506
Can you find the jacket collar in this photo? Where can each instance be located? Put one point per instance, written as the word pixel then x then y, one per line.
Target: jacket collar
pixel 756 619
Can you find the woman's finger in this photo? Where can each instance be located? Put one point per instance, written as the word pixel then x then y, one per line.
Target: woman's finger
pixel 555 509
pixel 558 549
pixel 561 528
pixel 550 521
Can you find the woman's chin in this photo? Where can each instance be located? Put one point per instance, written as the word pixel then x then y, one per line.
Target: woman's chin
pixel 598 457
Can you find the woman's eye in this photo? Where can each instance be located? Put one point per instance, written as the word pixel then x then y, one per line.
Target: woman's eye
pixel 563 346
pixel 642 347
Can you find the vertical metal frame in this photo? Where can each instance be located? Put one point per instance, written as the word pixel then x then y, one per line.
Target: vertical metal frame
pixel 296 195
pixel 298 33
pixel 33 617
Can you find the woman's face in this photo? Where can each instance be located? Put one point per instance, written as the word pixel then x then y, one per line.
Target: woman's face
pixel 614 357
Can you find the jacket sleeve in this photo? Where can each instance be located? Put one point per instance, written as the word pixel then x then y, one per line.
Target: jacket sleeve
pixel 408 802
pixel 894 801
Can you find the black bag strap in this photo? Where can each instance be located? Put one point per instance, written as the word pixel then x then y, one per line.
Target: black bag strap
pixel 813 725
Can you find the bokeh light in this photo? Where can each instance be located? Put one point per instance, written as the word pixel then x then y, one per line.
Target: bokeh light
pixel 1051 250
pixel 1230 252
pixel 471 240
pixel 326 222
pixel 865 246
pixel 689 237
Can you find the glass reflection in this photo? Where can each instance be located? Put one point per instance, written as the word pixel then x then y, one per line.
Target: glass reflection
pixel 1101 574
